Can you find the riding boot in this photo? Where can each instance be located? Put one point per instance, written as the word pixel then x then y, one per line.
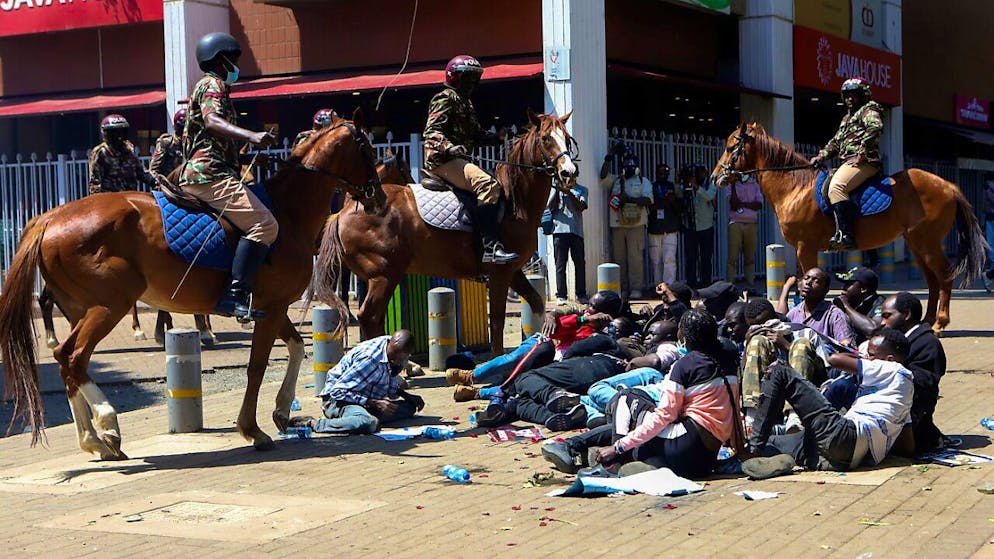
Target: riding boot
pixel 845 214
pixel 485 217
pixel 234 301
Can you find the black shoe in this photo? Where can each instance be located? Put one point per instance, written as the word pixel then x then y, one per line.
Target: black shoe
pixel 572 419
pixel 235 300
pixel 561 456
pixel 494 415
pixel 601 470
pixel 765 468
pixel 562 401
pixel 485 219
pixel 845 214
pixel 494 253
pixel 596 422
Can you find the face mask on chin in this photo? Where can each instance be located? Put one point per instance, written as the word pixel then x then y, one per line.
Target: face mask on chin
pixel 232 75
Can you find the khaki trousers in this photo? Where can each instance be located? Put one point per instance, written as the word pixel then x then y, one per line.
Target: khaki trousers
pixel 847 178
pixel 241 207
pixel 466 176
pixel 742 238
pixel 629 244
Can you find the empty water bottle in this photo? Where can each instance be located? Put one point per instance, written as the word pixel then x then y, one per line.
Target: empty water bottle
pixel 988 423
pixel 438 433
pixel 472 420
pixel 295 405
pixel 455 473
pixel 301 432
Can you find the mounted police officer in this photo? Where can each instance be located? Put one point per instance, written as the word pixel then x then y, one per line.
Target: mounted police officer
pixel 168 152
pixel 113 164
pixel 211 171
pixel 321 119
pixel 857 143
pixel 451 133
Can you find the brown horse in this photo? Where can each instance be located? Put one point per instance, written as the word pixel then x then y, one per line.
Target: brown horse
pixel 381 248
pixel 102 253
pixel 924 209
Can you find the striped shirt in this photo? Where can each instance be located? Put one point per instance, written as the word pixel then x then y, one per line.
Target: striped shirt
pixel 363 374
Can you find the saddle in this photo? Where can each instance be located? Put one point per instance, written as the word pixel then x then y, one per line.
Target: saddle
pixel 872 197
pixel 444 206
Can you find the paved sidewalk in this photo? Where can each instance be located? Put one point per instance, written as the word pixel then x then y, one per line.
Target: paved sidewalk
pixel 211 495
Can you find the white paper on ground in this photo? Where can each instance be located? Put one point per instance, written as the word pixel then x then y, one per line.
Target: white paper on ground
pixel 757 495
pixel 658 483
pixel 404 433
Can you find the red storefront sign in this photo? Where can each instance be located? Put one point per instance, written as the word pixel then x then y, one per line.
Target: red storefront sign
pixel 26 17
pixel 823 62
pixel 974 112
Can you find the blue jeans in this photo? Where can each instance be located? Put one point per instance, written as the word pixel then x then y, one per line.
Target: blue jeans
pixel 352 418
pixel 841 392
pixel 601 392
pixel 498 368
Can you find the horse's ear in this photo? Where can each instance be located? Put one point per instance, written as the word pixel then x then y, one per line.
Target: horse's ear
pixel 388 153
pixel 742 129
pixel 565 117
pixel 357 119
pixel 533 118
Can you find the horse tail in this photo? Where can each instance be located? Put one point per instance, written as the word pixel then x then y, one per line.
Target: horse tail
pixel 971 242
pixel 328 271
pixel 17 339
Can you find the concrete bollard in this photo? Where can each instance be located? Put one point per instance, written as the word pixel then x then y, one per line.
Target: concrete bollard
pixel 183 387
pixel 609 277
pixel 886 253
pixel 531 323
pixel 328 348
pixel 854 259
pixel 441 326
pixel 775 270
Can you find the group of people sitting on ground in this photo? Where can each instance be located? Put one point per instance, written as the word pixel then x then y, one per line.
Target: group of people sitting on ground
pixel 824 384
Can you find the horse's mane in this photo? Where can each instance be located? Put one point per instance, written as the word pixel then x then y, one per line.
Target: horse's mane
pixel 522 152
pixel 777 153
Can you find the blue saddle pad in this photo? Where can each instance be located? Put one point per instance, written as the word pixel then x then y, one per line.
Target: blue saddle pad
pixel 872 197
pixel 186 231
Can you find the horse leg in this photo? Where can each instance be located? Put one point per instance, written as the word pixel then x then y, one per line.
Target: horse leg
pixel 935 268
pixel 284 398
pixel 930 279
pixel 207 337
pixel 86 435
pixel 497 291
pixel 47 305
pixel 135 325
pixel 806 257
pixel 374 308
pixel 262 344
pixel 163 322
pixel 74 357
pixel 524 288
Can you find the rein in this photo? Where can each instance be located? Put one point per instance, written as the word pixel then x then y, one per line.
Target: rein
pixel 367 190
pixel 727 170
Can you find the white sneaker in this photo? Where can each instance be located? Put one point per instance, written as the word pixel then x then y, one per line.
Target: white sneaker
pixel 560 302
pixel 793 424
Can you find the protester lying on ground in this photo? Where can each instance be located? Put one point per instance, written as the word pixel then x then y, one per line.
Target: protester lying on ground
pixel 814 311
pixel 363 390
pixel 878 421
pixel 684 430
pixel 561 329
pixel 860 301
pixel 926 361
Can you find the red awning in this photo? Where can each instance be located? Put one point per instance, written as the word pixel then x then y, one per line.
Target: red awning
pixel 35 106
pixel 623 69
pixel 309 85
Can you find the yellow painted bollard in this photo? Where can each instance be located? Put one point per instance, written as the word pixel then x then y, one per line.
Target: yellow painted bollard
pixel 531 323
pixel 328 348
pixel 854 259
pixel 609 277
pixel 823 260
pixel 184 391
pixel 441 327
pixel 886 253
pixel 775 270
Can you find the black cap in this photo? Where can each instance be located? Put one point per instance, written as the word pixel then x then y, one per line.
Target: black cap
pixel 684 293
pixel 865 276
pixel 717 297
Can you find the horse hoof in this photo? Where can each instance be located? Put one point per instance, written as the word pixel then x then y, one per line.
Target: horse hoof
pixel 161 340
pixel 282 420
pixel 109 456
pixel 113 443
pixel 52 343
pixel 263 442
pixel 139 336
pixel 208 340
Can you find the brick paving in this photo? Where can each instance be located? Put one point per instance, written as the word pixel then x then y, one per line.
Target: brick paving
pixel 413 511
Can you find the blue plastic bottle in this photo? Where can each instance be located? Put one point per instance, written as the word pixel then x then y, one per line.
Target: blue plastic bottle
pixel 988 423
pixel 295 405
pixel 301 432
pixel 456 474
pixel 438 433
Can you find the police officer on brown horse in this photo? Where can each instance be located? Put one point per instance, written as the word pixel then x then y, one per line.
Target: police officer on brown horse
pixel 451 133
pixel 114 167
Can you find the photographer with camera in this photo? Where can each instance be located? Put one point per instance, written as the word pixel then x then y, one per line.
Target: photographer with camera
pixel 629 197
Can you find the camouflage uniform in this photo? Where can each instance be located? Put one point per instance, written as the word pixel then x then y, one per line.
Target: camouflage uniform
pixel 167 155
pixel 302 137
pixel 116 170
pixel 211 171
pixel 858 135
pixel 452 122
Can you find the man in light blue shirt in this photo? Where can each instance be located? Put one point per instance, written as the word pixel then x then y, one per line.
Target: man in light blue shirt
pixel 699 240
pixel 567 240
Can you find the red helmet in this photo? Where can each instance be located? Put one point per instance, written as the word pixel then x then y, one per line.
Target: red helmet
pixel 113 122
pixel 462 64
pixel 856 83
pixel 179 119
pixel 322 118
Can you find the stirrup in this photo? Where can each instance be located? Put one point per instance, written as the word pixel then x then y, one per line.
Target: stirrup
pixel 246 315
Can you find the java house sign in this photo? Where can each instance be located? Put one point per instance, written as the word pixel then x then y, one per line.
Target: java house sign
pixel 823 62
pixel 27 17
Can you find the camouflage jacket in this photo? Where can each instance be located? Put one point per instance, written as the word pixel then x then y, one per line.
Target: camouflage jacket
pixel 114 170
pixel 302 137
pixel 208 158
pixel 859 134
pixel 167 155
pixel 451 122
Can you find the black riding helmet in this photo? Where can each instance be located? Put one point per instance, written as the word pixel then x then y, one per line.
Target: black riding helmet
pixel 212 45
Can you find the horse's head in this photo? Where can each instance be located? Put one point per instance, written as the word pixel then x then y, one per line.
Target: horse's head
pixel 739 154
pixel 353 166
pixel 393 169
pixel 555 146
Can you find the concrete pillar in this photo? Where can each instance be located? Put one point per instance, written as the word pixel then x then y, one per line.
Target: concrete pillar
pixel 578 26
pixel 328 350
pixel 766 63
pixel 886 253
pixel 184 391
pixel 441 326
pixel 775 270
pixel 892 143
pixel 609 277
pixel 184 22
